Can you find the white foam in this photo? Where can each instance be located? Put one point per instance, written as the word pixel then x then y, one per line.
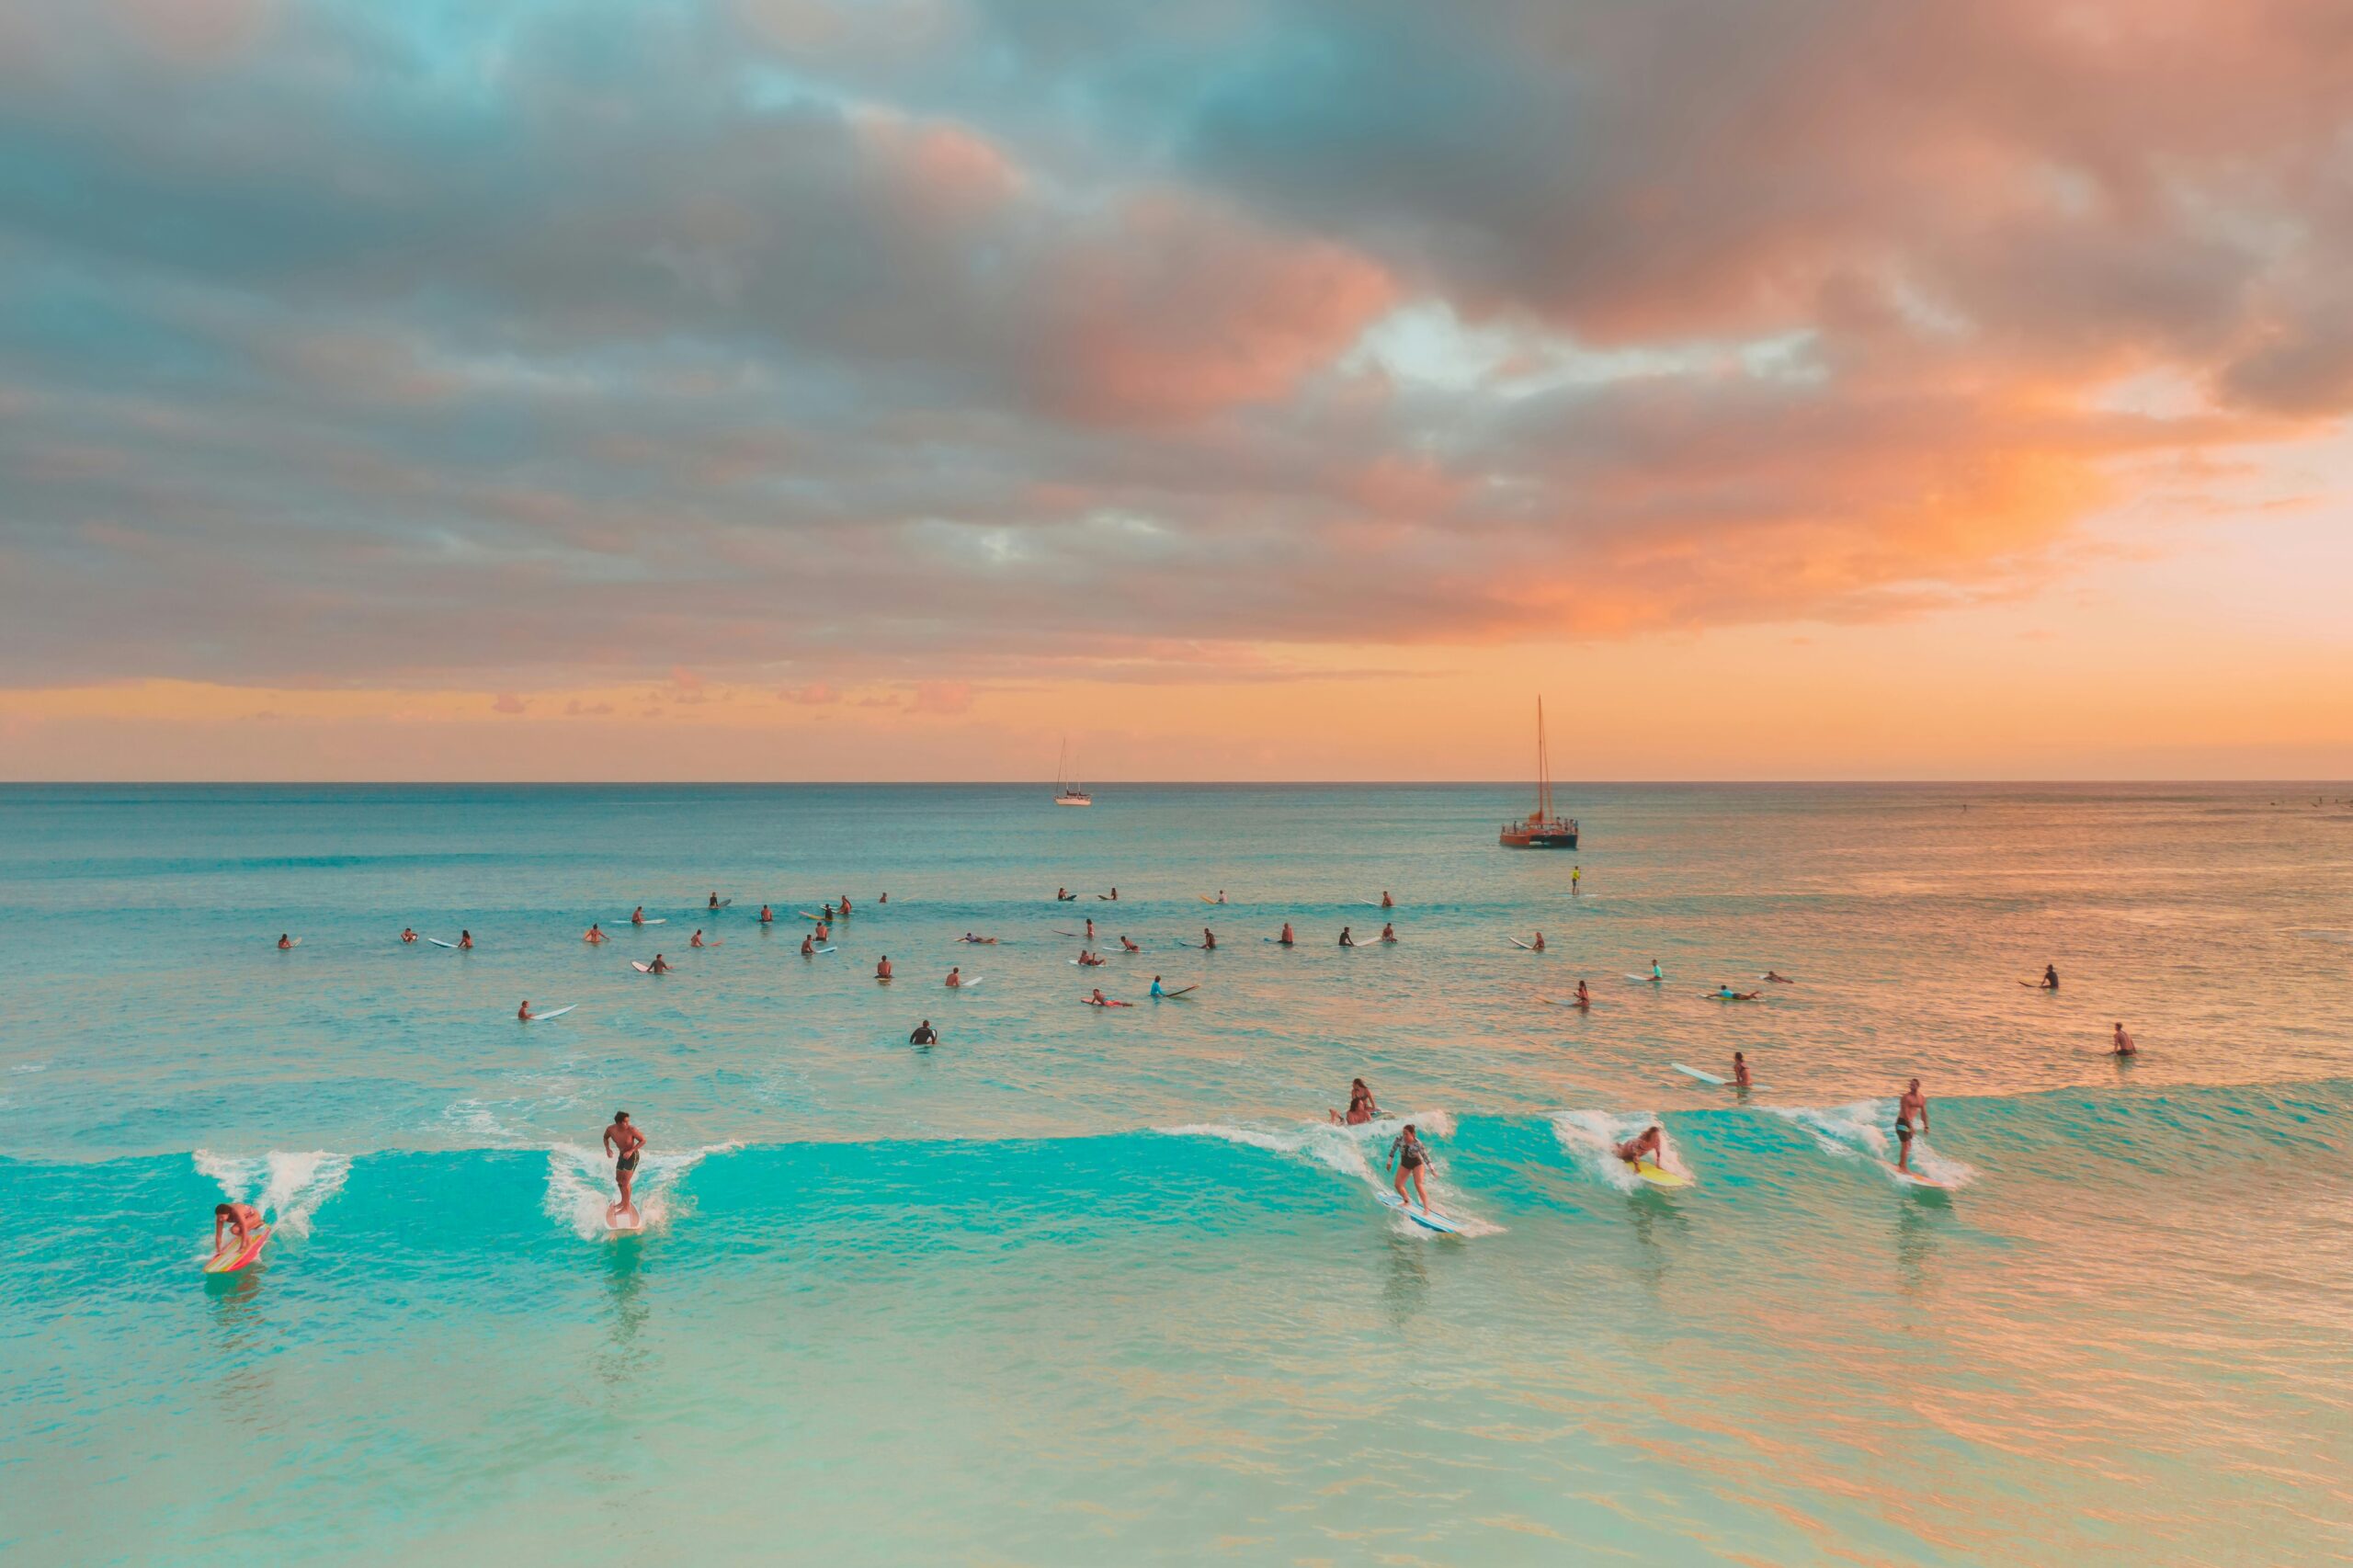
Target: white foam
pixel 1592 1138
pixel 581 1191
pixel 1864 1130
pixel 1351 1151
pixel 288 1187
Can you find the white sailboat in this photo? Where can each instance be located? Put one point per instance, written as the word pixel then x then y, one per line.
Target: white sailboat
pixel 1066 790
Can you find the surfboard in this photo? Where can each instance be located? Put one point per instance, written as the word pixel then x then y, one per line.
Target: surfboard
pixel 1075 965
pixel 641 968
pixel 1695 1072
pixel 968 982
pixel 1165 996
pixel 1520 945
pixel 806 915
pixel 1646 979
pixel 1277 941
pixel 663 920
pixel 1427 1219
pixel 1913 1179
pixel 624 1223
pixel 1059 932
pixel 1659 1175
pixel 232 1256
pixel 297 942
pixel 1567 1002
pixel 551 1013
pixel 1205 898
pixel 816 950
pixel 439 943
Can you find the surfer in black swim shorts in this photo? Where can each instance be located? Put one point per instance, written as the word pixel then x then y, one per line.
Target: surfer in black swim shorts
pixel 1408 1155
pixel 1912 1110
pixel 625 1142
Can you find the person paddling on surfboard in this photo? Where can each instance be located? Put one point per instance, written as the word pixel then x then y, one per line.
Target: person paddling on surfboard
pixel 1911 1117
pixel 1361 1107
pixel 1408 1158
pixel 1099 1000
pixel 1740 1079
pixel 409 934
pixel 1286 939
pixel 1126 946
pixel 882 970
pixel 1777 978
pixel 1726 994
pixel 1347 937
pixel 925 1034
pixel 239 1219
pixel 625 1143
pixel 2124 1046
pixel 1388 933
pixel 1652 1142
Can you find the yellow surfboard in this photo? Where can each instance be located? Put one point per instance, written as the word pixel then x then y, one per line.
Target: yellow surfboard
pixel 1659 1175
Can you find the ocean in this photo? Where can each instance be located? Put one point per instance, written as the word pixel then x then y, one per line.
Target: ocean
pixel 1085 1287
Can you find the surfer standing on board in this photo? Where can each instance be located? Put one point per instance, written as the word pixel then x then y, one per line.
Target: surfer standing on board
pixel 1407 1156
pixel 1911 1117
pixel 624 1143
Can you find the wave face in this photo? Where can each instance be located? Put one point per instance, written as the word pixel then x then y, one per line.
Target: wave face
pixel 2136 1312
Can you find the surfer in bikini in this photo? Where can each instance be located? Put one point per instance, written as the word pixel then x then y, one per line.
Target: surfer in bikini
pixel 2124 1046
pixel 1361 1107
pixel 1388 933
pixel 1347 937
pixel 1740 1079
pixel 239 1219
pixel 1652 1143
pixel 409 934
pixel 1407 1156
pixel 594 934
pixel 465 941
pixel 625 1143
pixel 1090 928
pixel 1911 1117
pixel 845 907
pixel 1126 946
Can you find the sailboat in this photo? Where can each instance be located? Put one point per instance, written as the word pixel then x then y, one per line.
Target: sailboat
pixel 1541 829
pixel 1066 791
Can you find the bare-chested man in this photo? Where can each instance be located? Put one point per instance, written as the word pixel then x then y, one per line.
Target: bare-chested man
pixel 625 1143
pixel 1910 1118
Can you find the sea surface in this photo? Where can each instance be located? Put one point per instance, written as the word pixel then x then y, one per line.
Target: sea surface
pixel 1086 1287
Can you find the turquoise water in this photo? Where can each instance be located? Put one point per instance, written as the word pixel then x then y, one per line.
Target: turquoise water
pixel 1077 1286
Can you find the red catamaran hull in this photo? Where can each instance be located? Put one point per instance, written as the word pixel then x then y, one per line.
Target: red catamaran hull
pixel 1553 836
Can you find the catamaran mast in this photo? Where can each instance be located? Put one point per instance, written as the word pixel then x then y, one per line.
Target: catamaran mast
pixel 1543 769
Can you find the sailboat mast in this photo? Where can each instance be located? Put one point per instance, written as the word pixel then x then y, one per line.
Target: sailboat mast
pixel 1544 768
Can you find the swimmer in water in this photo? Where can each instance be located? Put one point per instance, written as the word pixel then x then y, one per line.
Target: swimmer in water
pixel 1347 937
pixel 882 898
pixel 408 933
pixel 2123 1045
pixel 1286 939
pixel 1911 1117
pixel 1740 1071
pixel 594 934
pixel 1388 933
pixel 625 1143
pixel 1090 928
pixel 1361 1107
pixel 1651 1143
pixel 1407 1158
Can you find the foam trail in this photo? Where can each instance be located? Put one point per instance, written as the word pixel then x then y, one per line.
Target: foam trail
pixel 288 1187
pixel 1592 1138
pixel 580 1185
pixel 1351 1151
pixel 1865 1129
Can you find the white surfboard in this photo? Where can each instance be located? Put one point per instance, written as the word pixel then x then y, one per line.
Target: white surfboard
pixel 1695 1072
pixel 1520 945
pixel 663 920
pixel 968 982
pixel 824 951
pixel 297 942
pixel 641 968
pixel 551 1013
pixel 439 943
pixel 1646 979
pixel 1425 1218
pixel 624 1223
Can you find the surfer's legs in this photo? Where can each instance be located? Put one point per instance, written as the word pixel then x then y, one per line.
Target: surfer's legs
pixel 1904 1147
pixel 1423 1197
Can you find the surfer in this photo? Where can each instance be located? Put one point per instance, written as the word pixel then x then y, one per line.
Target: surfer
pixel 925 1034
pixel 1740 1079
pixel 1387 902
pixel 238 1219
pixel 1388 932
pixel 625 1143
pixel 594 934
pixel 955 977
pixel 1112 897
pixel 2049 978
pixel 882 970
pixel 825 933
pixel 1208 938
pixel 2124 1046
pixel 1126 946
pixel 767 915
pixel 284 942
pixel 1536 946
pixel 882 898
pixel 1726 994
pixel 1408 1157
pixel 714 899
pixel 1656 972
pixel 1576 875
pixel 408 933
pixel 1584 997
pixel 1064 895
pixel 809 946
pixel 1286 939
pixel 1156 992
pixel 1777 977
pixel 845 907
pixel 1347 938
pixel 1653 1141
pixel 1361 1107
pixel 524 1014
pixel 1099 1000
pixel 637 916
pixel 1090 928
pixel 1912 1108
pixel 659 966
pixel 1090 959
pixel 1221 895
pixel 465 941
pixel 696 940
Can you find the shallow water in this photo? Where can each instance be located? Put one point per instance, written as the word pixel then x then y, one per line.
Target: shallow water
pixel 1085 1286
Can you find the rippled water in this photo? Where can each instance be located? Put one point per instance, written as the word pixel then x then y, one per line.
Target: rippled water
pixel 1085 1286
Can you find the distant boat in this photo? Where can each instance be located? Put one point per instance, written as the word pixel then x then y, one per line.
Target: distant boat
pixel 1067 791
pixel 1543 829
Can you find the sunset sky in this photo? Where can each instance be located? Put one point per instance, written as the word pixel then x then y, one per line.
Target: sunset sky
pixel 1242 389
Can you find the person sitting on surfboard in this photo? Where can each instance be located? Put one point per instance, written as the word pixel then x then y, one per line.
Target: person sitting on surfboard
pixel 1089 959
pixel 1536 946
pixel 284 941
pixel 2049 978
pixel 1064 895
pixel 659 966
pixel 465 941
pixel 767 915
pixel 955 977
pixel 1126 946
pixel 1347 937
pixel 1112 897
pixel 524 1012
pixel 1911 1109
pixel 808 946
pixel 1584 997
pixel 1386 902
pixel 925 1034
pixel 714 899
pixel 2124 1046
pixel 409 934
pixel 1285 940
pixel 637 916
pixel 625 1143
pixel 1208 938
pixel 1407 1156
pixel 594 934
pixel 882 970
pixel 1740 1079
pixel 1651 1143
pixel 238 1218
pixel 1361 1107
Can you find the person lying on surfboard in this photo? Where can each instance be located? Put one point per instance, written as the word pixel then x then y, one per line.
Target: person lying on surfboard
pixel 2123 1045
pixel 408 933
pixel 955 977
pixel 1777 977
pixel 1911 1109
pixel 925 1034
pixel 1388 933
pixel 625 1143
pixel 1126 946
pixel 977 941
pixel 594 934
pixel 1726 994
pixel 1286 939
pixel 882 970
pixel 1651 1143
pixel 1099 1000
pixel 1408 1157
pixel 239 1219
pixel 1740 1079
pixel 1361 1107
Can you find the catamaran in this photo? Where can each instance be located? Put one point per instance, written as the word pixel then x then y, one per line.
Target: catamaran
pixel 1067 791
pixel 1543 829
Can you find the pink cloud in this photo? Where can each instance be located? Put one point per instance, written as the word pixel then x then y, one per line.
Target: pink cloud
pixel 816 694
pixel 507 702
pixel 942 696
